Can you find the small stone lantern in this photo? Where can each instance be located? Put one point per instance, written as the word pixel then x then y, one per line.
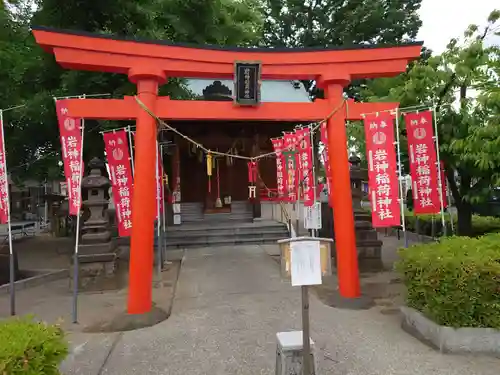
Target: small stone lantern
pixel 367 242
pixel 96 251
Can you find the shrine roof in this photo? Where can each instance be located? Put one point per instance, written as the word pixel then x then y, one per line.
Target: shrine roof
pixel 223 48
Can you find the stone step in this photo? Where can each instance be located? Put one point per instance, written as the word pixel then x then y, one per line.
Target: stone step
pixel 220 241
pixel 238 232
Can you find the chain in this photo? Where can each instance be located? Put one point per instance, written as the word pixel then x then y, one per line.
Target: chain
pixel 228 154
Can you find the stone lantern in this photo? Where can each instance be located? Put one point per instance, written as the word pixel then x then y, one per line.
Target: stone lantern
pixel 96 250
pixel 367 242
pixel 368 245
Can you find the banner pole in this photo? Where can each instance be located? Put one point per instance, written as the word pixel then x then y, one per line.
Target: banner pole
pixel 311 134
pixel 440 182
pixel 12 270
pixel 131 148
pixel 400 170
pixel 77 239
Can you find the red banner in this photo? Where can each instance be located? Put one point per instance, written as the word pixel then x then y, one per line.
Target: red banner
pixel 117 152
pixel 423 162
pixel 159 181
pixel 292 177
pixel 4 180
pixel 306 166
pixel 382 176
pixel 281 181
pixel 326 158
pixel 71 144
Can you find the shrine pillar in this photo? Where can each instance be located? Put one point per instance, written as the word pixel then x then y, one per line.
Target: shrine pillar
pixel 144 195
pixel 341 197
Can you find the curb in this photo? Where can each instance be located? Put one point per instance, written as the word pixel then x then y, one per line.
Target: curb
pixel 448 339
pixel 41 277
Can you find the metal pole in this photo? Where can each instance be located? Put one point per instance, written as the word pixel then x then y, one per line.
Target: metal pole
pixel 306 344
pixel 77 239
pixel 12 275
pixel 400 170
pixel 440 183
pixel 131 147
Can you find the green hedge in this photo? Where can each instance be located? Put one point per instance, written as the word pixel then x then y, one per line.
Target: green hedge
pixel 28 347
pixel 480 224
pixel 454 282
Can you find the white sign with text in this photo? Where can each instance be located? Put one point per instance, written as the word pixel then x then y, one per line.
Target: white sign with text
pixel 305 259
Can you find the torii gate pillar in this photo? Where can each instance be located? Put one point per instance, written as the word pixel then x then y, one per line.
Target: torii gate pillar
pixel 343 215
pixel 144 196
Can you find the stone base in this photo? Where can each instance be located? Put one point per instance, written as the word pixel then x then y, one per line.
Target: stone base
pixel 370 257
pixel 448 339
pixel 97 272
pixel 129 322
pixel 91 249
pixel 362 302
pixel 289 355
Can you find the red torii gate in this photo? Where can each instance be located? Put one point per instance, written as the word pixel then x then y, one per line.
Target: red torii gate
pixel 149 64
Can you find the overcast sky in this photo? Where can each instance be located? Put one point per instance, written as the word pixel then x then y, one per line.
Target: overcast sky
pixel 446 19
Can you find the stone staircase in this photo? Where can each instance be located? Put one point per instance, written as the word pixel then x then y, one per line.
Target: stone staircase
pixel 237 227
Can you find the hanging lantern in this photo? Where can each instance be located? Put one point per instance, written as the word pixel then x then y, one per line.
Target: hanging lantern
pixel 209 171
pixel 209 164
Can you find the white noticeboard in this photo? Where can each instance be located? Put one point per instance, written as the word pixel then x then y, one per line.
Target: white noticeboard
pixel 177 219
pixel 305 259
pixel 312 216
pixel 176 208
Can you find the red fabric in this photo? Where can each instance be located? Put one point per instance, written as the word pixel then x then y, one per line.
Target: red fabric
pixel 71 143
pixel 423 162
pixel 281 181
pixel 252 172
pixel 326 159
pixel 382 177
pixel 290 144
pixel 4 181
pixel 305 165
pixel 117 152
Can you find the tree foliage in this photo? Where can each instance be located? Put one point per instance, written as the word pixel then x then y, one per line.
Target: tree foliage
pixel 33 78
pixel 462 83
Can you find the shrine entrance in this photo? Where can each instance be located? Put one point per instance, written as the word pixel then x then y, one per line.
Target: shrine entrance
pixel 148 64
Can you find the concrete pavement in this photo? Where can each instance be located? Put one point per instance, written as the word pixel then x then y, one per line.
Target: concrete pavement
pixel 230 302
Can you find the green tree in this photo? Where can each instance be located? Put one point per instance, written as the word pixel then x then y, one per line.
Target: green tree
pixel 462 83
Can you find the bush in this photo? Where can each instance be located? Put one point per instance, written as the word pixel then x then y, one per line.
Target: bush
pixel 31 348
pixel 480 224
pixel 454 282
